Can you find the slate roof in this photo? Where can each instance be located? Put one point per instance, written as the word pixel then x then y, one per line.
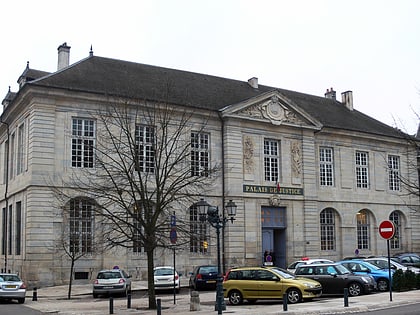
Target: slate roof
pixel 128 79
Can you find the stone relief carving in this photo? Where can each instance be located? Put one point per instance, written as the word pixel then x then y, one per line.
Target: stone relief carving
pixel 296 159
pixel 248 155
pixel 272 110
pixel 274 200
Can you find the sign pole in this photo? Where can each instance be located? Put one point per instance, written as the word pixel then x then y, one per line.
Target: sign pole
pixel 389 271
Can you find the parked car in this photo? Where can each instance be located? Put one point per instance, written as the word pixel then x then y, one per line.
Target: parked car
pixel 204 277
pixel 408 259
pixel 165 278
pixel 112 281
pixel 361 267
pixel 382 262
pixel 292 267
pixel 12 287
pixel 334 277
pixel 257 283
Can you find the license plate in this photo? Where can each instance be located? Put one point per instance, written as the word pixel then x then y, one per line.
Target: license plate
pixel 211 281
pixel 9 286
pixel 107 287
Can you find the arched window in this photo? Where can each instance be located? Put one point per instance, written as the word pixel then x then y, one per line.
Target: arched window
pixel 395 242
pixel 199 232
pixel 81 215
pixel 363 229
pixel 327 225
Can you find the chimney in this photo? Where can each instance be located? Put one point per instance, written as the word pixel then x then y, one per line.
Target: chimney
pixel 330 94
pixel 347 99
pixel 253 82
pixel 63 56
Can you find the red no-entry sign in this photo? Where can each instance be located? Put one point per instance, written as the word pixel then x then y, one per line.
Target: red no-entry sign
pixel 386 229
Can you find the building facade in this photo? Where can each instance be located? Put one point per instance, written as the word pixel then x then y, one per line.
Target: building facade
pixel 311 176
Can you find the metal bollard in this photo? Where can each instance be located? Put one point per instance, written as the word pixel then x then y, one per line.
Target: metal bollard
pixel 346 297
pixel 111 305
pixel 35 295
pixel 159 307
pixel 285 302
pixel 129 300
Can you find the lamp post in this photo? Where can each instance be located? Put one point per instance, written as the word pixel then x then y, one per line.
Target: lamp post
pixel 211 214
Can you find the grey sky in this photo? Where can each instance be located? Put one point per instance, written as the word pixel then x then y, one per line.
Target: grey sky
pixel 370 47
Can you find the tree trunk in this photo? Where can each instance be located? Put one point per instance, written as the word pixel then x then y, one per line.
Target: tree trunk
pixel 150 279
pixel 71 278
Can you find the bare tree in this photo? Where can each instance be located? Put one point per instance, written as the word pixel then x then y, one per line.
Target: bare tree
pixel 143 173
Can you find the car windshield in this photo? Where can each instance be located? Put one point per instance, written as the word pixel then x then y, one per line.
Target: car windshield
pixel 342 270
pixel 109 275
pixel 208 269
pixel 283 273
pixel 9 278
pixel 164 272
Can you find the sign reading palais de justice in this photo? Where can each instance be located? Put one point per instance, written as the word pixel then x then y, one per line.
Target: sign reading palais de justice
pixel 272 190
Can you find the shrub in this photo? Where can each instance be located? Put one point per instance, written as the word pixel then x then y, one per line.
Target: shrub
pixel 405 280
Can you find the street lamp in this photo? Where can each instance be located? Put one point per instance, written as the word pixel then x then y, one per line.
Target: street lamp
pixel 211 214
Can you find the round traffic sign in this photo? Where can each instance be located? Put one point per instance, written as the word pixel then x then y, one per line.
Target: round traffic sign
pixel 386 229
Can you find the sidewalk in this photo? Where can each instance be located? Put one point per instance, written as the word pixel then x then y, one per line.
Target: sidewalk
pixel 53 300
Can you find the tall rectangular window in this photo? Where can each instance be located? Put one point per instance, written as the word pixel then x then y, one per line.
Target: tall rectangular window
pixel 199 232
pixel 12 156
pixel 271 160
pixel 363 230
pixel 362 169
pixel 83 142
pixel 326 166
pixel 20 150
pixel 137 229
pixel 394 172
pixel 200 154
pixel 327 224
pixel 6 162
pixel 18 220
pixel 10 230
pixel 145 147
pixel 3 231
pixel 81 225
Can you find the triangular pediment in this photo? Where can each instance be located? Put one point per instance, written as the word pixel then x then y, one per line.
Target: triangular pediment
pixel 272 107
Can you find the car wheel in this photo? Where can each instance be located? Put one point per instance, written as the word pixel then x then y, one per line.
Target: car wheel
pixel 382 285
pixel 293 296
pixel 355 289
pixel 235 297
pixel 21 300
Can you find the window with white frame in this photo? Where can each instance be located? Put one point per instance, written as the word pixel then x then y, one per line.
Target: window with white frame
pixel 200 146
pixel 394 172
pixel 81 217
pixel 199 232
pixel 145 147
pixel 326 166
pixel 271 160
pixel 362 169
pixel 363 230
pixel 327 224
pixel 83 143
pixel 137 217
pixel 20 150
pixel 395 241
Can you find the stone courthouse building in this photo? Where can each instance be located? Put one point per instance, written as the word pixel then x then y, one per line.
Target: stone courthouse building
pixel 310 175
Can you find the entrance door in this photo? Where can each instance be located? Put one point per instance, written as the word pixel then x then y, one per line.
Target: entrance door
pixel 274 235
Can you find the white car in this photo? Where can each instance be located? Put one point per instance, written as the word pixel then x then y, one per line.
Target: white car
pixel 12 287
pixel 382 262
pixel 166 279
pixel 113 281
pixel 292 267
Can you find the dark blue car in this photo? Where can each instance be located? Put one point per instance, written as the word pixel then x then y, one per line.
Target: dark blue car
pixel 361 267
pixel 204 277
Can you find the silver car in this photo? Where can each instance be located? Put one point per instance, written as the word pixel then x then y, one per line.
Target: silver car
pixel 12 287
pixel 113 281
